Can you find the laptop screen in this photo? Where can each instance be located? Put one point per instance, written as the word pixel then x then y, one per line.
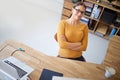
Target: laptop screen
pixel 7 71
pixel 20 71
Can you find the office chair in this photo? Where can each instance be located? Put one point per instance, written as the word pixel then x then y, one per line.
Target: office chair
pixel 55 37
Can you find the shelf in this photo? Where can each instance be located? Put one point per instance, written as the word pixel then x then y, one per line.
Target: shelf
pixel 66 12
pixel 116 3
pixel 91 18
pixel 104 4
pixel 68 4
pixel 102 28
pixel 91 31
pixel 64 17
pixel 100 24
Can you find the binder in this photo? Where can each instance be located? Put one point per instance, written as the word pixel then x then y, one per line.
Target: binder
pixel 113 32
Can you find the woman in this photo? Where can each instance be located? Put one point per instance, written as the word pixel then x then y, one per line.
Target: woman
pixel 72 35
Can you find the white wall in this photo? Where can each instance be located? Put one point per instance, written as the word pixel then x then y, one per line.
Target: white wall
pixel 32 22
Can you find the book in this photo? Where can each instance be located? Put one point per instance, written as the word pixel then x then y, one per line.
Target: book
pixel 85 20
pixel 88 4
pixel 48 74
pixel 97 12
pixel 88 11
pixel 94 11
pixel 113 31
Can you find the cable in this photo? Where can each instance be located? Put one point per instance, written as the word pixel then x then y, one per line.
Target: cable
pixel 19 49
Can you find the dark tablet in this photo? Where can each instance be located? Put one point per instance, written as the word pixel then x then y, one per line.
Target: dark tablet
pixel 48 74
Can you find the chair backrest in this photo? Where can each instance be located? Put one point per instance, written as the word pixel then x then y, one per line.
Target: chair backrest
pixel 55 37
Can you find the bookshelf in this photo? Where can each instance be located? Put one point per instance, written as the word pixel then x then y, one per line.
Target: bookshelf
pixel 102 18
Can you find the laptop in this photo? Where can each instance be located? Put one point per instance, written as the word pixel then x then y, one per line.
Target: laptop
pixel 13 69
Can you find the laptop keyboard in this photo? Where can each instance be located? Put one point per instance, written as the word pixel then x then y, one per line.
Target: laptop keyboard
pixel 20 72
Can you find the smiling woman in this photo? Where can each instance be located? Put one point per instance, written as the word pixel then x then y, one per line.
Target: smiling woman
pixel 72 35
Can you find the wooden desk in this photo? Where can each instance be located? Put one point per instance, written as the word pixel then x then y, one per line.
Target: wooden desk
pixel 113 55
pixel 39 60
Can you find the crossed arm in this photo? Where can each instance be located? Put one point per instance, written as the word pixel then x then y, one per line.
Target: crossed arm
pixel 71 46
pixel 65 44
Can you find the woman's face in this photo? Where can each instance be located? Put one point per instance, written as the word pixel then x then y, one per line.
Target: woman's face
pixel 78 12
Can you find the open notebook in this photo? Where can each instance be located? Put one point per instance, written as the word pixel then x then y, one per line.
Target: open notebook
pixel 13 69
